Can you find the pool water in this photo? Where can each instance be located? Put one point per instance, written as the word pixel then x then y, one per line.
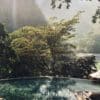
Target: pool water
pixel 45 88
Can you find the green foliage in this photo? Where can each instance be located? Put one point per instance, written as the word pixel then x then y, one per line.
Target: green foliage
pixel 3 51
pixel 31 50
pixel 88 42
pixel 96 45
pixel 36 47
pixel 22 46
pixel 61 2
pixel 96 16
pixel 45 50
pixel 85 42
pixel 98 65
pixel 83 67
pixel 6 54
pixel 2 31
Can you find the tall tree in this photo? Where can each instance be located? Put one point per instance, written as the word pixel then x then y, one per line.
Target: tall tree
pixel 37 47
pixel 5 53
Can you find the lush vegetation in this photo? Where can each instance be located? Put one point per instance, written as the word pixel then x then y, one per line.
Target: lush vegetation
pixel 98 65
pixel 91 46
pixel 42 51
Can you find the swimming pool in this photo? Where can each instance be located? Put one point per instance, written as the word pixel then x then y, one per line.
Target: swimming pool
pixel 45 88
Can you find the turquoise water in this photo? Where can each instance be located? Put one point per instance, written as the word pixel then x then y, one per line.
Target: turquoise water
pixel 45 88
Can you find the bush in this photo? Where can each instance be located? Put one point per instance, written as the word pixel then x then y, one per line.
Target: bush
pixel 79 68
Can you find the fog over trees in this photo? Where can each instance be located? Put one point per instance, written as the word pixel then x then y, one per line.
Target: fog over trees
pixel 15 14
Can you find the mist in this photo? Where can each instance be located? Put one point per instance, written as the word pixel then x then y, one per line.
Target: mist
pixel 15 14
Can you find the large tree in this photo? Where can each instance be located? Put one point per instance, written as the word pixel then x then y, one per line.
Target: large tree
pixel 45 50
pixel 6 53
pixel 37 47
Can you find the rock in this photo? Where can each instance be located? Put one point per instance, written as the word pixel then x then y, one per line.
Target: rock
pixel 95 75
pixel 95 96
pixel 82 95
pixel 87 95
pixel 2 98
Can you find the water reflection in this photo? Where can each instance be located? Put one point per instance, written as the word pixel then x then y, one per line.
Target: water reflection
pixel 45 88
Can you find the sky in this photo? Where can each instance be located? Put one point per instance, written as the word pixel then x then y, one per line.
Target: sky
pixel 15 14
pixel 85 24
pixel 18 13
pixel 28 12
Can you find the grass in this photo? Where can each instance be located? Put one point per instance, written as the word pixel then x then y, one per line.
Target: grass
pixel 98 65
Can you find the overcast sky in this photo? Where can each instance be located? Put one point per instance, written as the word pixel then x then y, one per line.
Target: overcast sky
pixel 26 11
pixel 85 19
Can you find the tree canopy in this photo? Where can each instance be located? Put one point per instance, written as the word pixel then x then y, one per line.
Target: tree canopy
pixel 37 46
pixel 42 51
